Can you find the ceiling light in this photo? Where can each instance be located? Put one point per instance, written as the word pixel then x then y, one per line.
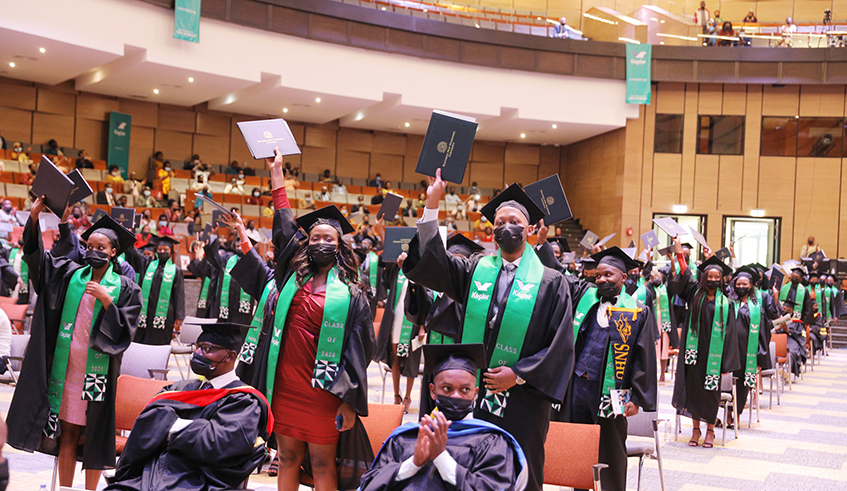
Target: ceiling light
pixel 155 91
pixel 43 50
pixel 12 64
pixel 555 126
pixel 757 213
pixel 523 135
pixel 797 117
pixel 191 80
pixel 318 99
pixel 407 125
pixel 285 109
pixel 680 208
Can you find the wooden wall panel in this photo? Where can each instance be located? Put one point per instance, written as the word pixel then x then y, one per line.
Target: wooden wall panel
pixel 670 98
pixel 141 140
pixel 487 175
pixel 55 102
pixel 734 99
pixel 176 119
pixel 822 100
pixel 143 113
pixel 15 125
pixel 390 166
pixel 776 196
pixel 781 101
pixel 731 169
pixel 238 149
pixel 706 189
pixel 666 172
pixel 517 153
pixel 315 159
pixel 355 140
pixel 52 126
pixel 90 106
pixel 17 96
pixel 548 161
pixel 410 160
pixel 752 144
pixel 175 145
pixel 487 152
pixel 214 124
pixel 521 173
pixel 212 148
pixel 842 213
pixel 389 143
pixel 710 100
pixel 689 144
pixel 91 136
pixel 317 136
pixel 354 164
pixel 812 215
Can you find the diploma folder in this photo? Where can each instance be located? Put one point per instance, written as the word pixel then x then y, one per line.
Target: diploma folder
pixel 549 195
pixel 81 189
pixel 53 185
pixel 650 239
pixel 389 207
pixel 262 136
pixel 670 226
pixel 124 216
pixel 447 146
pixel 397 242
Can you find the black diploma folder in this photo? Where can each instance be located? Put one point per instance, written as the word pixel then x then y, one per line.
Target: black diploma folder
pixel 51 183
pixel 262 136
pixel 447 146
pixel 81 189
pixel 397 242
pixel 390 205
pixel 549 195
pixel 124 216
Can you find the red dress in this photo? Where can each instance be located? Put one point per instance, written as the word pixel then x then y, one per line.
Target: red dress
pixel 301 411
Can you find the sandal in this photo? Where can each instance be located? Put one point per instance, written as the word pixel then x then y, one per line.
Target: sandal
pixel 694 441
pixel 273 469
pixel 706 443
pixel 407 403
pixel 398 399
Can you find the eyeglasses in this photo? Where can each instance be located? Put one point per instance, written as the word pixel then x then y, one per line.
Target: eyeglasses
pixel 208 348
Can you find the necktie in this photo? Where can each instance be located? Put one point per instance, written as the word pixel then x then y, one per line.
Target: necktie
pixel 206 385
pixel 504 284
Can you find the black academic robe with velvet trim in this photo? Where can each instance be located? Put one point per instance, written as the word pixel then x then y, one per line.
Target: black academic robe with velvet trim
pixel 176 305
pixel 216 452
pixel 546 358
pixel 111 333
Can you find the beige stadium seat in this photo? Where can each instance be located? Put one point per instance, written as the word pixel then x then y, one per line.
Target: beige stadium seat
pixel 16 191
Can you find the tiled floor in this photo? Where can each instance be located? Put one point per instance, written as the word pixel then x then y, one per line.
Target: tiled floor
pixel 798 445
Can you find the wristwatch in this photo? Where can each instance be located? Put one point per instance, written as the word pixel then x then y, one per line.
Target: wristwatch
pixel 519 380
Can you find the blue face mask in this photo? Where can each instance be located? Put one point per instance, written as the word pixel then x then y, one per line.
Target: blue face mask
pixel 163 224
pixel 109 190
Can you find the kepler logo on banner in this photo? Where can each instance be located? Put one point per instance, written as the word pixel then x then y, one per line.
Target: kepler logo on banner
pixel 638 58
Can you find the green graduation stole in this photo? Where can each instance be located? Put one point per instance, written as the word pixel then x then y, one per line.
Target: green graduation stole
pixel 663 306
pixel 438 338
pixel 827 291
pixel 164 300
pixel 204 294
pixel 621 317
pixel 753 340
pixel 373 267
pixel 515 318
pixel 16 258
pixel 713 367
pixel 588 299
pixel 641 293
pixel 248 349
pixel 691 266
pixel 799 298
pixel 821 299
pixel 331 338
pixel 97 364
pixel 404 346
pixel 243 297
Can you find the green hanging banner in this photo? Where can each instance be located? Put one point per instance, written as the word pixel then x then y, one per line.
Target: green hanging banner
pixel 118 151
pixel 638 58
pixel 187 20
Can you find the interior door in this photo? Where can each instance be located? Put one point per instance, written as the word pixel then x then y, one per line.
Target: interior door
pixel 755 240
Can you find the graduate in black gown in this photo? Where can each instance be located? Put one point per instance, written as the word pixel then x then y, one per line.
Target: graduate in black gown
pixel 372 273
pixel 203 269
pixel 449 449
pixel 36 419
pixel 615 350
pixel 207 433
pixel 836 298
pixel 532 350
pixel 9 278
pixel 697 385
pixel 163 312
pixel 70 247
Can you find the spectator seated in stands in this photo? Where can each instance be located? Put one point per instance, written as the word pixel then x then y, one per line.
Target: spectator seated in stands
pixel 339 187
pixel 123 201
pixel 163 227
pixel 751 18
pixel 726 31
pixel 78 220
pixel 324 195
pixel 360 204
pixel 173 212
pixel 107 196
pixel 452 198
pixel 291 172
pixel 250 230
pixel 133 186
pixel 787 30
pixel 474 189
pixel 164 176
pixel 291 184
pixel 268 210
pixel 83 161
pixel 233 169
pixel 146 220
pixel 145 200
pixel 142 237
pixel 306 202
pixel 53 148
pixel 9 214
pixel 158 160
pixel 387 187
pixel 27 177
pixel 327 177
pixel 473 204
pixel 481 223
pixel 488 234
pixel 201 167
pixel 198 201
pixel 115 177
pixel 191 163
pixel 61 163
pixel 379 197
pixel 233 186
pixel 421 202
pixel 19 154
pixel 255 197
pixel 376 182
pixel 248 171
pixel 561 29
pixel 409 210
pixel 199 183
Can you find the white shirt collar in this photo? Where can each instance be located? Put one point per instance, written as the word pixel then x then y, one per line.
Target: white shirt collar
pixel 516 262
pixel 223 379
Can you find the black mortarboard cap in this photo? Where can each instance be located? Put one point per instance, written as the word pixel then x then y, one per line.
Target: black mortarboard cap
pixel 114 230
pixel 562 241
pixel 615 256
pixel 588 263
pixel 459 244
pixel 516 197
pixel 714 261
pixel 167 240
pixel 688 245
pixel 647 268
pixel 754 275
pixel 328 214
pixel 441 357
pixel 227 335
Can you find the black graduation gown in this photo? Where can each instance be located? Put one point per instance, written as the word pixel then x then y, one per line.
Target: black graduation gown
pixel 806 313
pixel 740 319
pixel 690 398
pixel 215 452
pixel 202 269
pixel 409 365
pixel 176 305
pixel 835 303
pixel 8 278
pixel 218 264
pixel 546 358
pixel 70 247
pixel 111 334
pixel 379 292
pixel 351 383
pixel 486 461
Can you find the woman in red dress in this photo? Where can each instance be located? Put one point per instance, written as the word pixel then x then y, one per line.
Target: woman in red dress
pixel 311 353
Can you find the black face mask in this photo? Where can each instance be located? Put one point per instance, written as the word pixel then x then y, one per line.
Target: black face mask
pixel 509 237
pixel 454 408
pixel 590 279
pixel 713 284
pixel 77 215
pixel 96 259
pixel 322 255
pixel 742 291
pixel 7 209
pixel 163 256
pixel 607 289
pixel 795 280
pixel 203 366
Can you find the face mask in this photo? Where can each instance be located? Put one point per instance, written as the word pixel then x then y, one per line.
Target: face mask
pixel 240 176
pixel 509 237
pixel 116 174
pixel 590 279
pixel 256 195
pixel 322 255
pixel 76 215
pixel 713 284
pixel 96 259
pixel 168 169
pixel 811 242
pixel 109 190
pixel 742 291
pixel 7 209
pixel 146 193
pixel 163 224
pixel 163 256
pixel 203 366
pixel 454 408
pixel 795 280
pixel 607 289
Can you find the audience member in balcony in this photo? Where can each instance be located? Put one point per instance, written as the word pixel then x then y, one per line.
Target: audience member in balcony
pixel 173 213
pixel 53 149
pixel 324 195
pixel 787 30
pixel 561 29
pixel 327 177
pixel 26 178
pixel 291 184
pixel 409 210
pixel 250 230
pixel 9 214
pixel 163 227
pixel 268 211
pixel 473 204
pixel 255 197
pixel 83 161
pixel 133 185
pixel 164 175
pixel 158 160
pixel 19 154
pixel 421 201
pixel 78 219
pixel 199 183
pixel 145 199
pixel 452 198
pixel 360 205
pixel 248 171
pixel 344 211
pixel 306 202
pixel 751 18
pixel 288 171
pixel 702 17
pixel 726 31
pixel 376 182
pixel 233 169
pixel 378 198
pixel 61 163
pixel 387 188
pixel 146 220
pixel 481 223
pixel 809 248
pixel 339 187
pixel 115 177
pixel 123 201
pixel 233 187
pixel 107 196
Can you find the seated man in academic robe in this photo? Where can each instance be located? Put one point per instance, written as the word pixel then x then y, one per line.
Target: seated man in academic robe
pixel 207 433
pixel 449 449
